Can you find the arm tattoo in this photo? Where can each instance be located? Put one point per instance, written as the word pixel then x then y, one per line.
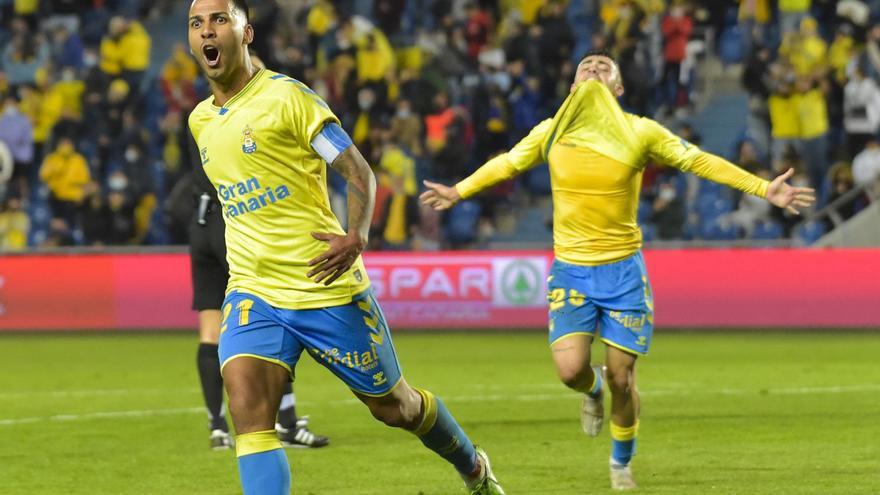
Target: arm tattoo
pixel 361 190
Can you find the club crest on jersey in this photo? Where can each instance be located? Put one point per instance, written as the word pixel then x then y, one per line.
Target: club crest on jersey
pixel 248 145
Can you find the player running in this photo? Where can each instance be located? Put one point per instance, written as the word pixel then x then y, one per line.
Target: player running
pixel 296 278
pixel 210 272
pixel 597 154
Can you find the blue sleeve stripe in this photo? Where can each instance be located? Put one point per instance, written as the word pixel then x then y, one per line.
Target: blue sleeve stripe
pixel 337 136
pixel 277 76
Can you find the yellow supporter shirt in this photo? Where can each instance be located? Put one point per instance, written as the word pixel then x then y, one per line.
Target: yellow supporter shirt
pixel 812 113
pixel 272 187
pixel 597 154
pixel 784 117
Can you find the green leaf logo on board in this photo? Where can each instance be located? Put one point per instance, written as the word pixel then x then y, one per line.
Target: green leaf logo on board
pixel 520 282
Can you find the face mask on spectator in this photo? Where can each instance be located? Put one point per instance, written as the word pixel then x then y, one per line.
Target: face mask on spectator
pixel 365 100
pixel 132 155
pixel 117 182
pixel 90 59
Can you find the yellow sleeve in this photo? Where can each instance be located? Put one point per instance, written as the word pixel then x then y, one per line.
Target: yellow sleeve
pixel 49 168
pixel 666 148
pixel 82 176
pixel 525 155
pixel 306 114
pixel 717 169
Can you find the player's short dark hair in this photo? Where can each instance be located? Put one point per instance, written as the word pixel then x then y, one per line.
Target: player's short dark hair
pixel 243 7
pixel 599 53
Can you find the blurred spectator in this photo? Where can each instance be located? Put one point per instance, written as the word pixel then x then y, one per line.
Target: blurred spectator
pixel 804 49
pixel 478 26
pixel 866 165
pixel 668 211
pixel 66 174
pixel 43 107
pixel 125 51
pixel 791 14
pixel 67 48
pixel 17 133
pixel 70 90
pixel 178 81
pixel 677 28
pixel 751 210
pixel 121 212
pixel 14 225
pixel 754 15
pixel 23 56
pixel 60 234
pixel 748 157
pixel 861 106
pixel 813 126
pixel 388 15
pixel 841 181
pixel 95 217
pixel 784 116
pixel 406 127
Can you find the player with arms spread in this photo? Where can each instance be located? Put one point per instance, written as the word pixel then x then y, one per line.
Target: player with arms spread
pixel 597 154
pixel 265 141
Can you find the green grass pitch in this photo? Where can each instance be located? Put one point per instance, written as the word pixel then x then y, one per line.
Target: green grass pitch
pixel 726 413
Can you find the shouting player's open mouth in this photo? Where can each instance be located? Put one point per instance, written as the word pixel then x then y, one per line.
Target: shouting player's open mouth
pixel 212 55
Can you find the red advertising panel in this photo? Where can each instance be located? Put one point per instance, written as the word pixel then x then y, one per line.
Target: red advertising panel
pixel 692 288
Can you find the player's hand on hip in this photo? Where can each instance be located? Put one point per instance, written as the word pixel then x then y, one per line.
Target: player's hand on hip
pixel 438 196
pixel 791 198
pixel 343 251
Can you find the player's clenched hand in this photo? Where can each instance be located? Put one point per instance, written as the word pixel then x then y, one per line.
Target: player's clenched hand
pixel 791 198
pixel 438 196
pixel 344 250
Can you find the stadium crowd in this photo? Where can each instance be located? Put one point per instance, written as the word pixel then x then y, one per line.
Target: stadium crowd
pixel 427 89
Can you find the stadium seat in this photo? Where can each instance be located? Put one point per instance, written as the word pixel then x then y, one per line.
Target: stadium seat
pixel 649 232
pixel 461 222
pixel 709 208
pixel 730 45
pixel 645 210
pixel 767 230
pixel 811 232
pixel 718 231
pixel 537 180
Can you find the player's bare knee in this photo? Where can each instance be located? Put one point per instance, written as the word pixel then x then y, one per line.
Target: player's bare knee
pixel 620 380
pixel 576 377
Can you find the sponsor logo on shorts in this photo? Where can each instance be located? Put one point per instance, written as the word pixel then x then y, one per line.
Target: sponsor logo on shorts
pixel 364 361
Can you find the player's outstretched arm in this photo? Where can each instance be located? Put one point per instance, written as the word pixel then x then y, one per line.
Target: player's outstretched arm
pixel 344 250
pixel 791 198
pixel 438 196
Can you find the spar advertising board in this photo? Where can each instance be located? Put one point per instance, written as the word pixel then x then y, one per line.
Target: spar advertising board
pixel 757 288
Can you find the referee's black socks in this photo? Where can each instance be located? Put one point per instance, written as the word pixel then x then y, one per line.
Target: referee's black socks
pixel 212 384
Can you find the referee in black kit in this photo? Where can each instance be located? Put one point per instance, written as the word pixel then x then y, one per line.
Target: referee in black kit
pixel 210 273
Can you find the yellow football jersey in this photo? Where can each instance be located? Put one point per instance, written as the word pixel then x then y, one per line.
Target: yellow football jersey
pixel 272 187
pixel 597 154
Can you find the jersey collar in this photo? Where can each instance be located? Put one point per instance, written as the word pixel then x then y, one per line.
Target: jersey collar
pixel 246 89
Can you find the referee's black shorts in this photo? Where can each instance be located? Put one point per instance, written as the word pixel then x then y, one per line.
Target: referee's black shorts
pixel 207 256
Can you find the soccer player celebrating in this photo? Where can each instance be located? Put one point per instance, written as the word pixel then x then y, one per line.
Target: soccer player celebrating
pixel 210 272
pixel 597 154
pixel 296 278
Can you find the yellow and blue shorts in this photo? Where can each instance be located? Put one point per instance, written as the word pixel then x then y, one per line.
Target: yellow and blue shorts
pixel 352 341
pixel 614 298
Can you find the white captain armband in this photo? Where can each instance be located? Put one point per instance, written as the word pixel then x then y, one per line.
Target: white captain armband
pixel 331 142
